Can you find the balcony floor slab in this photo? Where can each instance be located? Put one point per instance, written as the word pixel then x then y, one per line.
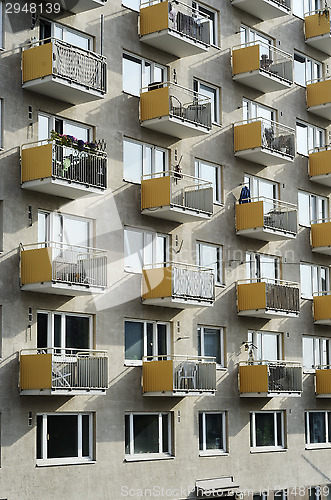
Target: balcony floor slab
pixel 177 303
pixel 63 392
pixel 180 394
pixel 174 43
pixel 264 81
pixel 177 214
pixel 266 234
pixel 61 187
pixel 59 288
pixel 322 321
pixel 323 250
pixel 268 313
pixel 270 394
pixel 264 156
pixel 323 110
pixel 324 179
pixel 175 127
pixel 262 9
pixel 321 42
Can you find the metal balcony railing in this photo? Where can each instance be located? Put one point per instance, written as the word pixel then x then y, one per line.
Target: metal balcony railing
pixel 286 4
pixel 283 376
pixel 280 295
pixel 277 214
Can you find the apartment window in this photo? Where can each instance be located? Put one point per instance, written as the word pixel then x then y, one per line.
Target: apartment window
pixel 306 69
pixel 139 73
pixel 261 187
pixel 213 17
pixel 308 137
pixel 248 35
pixel 213 93
pixel 259 266
pixel 63 228
pixel 212 173
pixel 64 438
pixel 266 345
pixel 316 352
pixel 211 343
pixel 49 30
pixel 47 123
pixel 311 207
pixel 300 7
pixel 318 429
pixel 267 430
pixel 144 248
pixel 145 338
pixel 142 159
pixel 63 331
pixel 147 434
pixel 212 432
pixel 313 279
pixel 211 256
pixel 253 110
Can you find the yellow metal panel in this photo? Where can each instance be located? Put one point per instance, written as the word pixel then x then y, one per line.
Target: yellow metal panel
pixel 323 381
pixel 322 307
pixel 158 376
pixel 249 215
pixel 319 93
pixel 154 18
pixel 36 371
pixel 320 163
pixel 156 283
pixel 37 162
pixel 246 59
pixel 251 296
pixel 321 234
pixel 37 62
pixel 36 265
pixel 253 378
pixel 317 24
pixel 155 192
pixel 247 136
pixel 154 104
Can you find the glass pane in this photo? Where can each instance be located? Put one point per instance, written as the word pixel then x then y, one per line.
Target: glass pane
pixel 162 340
pixel 77 131
pixel 132 161
pixel 77 332
pixel 267 267
pixel 150 342
pixel 315 279
pixel 43 123
pixel 160 249
pixel 58 32
pixel 329 426
pixel 317 427
pixel 305 281
pixel 304 209
pixel 146 433
pixel 208 258
pixel 131 75
pixel 86 435
pixel 39 436
pixel 42 328
pixel 147 161
pixel 209 173
pixel 165 434
pixel 214 432
pixel 200 431
pixel 75 231
pixel 212 343
pixel 297 6
pixel 270 346
pixel 62 435
pixel 134 340
pixel 77 39
pixel 42 227
pixel 212 94
pixel 57 331
pixel 279 429
pixel 265 429
pixel 160 161
pixel 127 434
pixel 132 4
pixel 158 74
pixel 133 250
pixel 302 139
pixel 308 353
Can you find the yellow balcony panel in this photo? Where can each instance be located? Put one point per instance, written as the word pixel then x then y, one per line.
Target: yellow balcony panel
pixel 64 171
pixel 323 382
pixel 66 372
pixel 173 110
pixel 266 219
pixel 319 97
pixel 317 30
pixel 321 236
pixel 62 269
pixel 179 376
pixel 174 28
pixel 322 308
pixel 177 285
pixel 264 141
pixel 176 196
pixel 269 379
pixel 268 298
pixel 264 9
pixel 262 67
pixel 76 7
pixel 63 71
pixel 320 165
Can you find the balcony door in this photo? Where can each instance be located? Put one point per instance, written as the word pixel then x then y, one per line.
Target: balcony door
pixel 259 267
pixel 47 123
pixel 264 189
pixel 248 35
pixel 267 346
pixel 144 248
pixel 253 110
pixel 49 30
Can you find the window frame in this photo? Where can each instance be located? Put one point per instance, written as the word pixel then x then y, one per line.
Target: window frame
pixel 209 451
pixel 327 443
pixel 253 446
pixel 201 346
pixel 253 182
pixel 315 131
pixel 253 260
pixel 1 121
pixel 146 234
pixel 143 62
pixel 248 31
pixel 2 28
pixel 51 125
pixel 139 362
pixel 214 25
pixel 318 278
pixel 217 101
pixel 312 205
pixel 219 276
pixel 49 227
pixel 310 61
pixel 253 338
pixel 317 351
pixel 250 104
pixel 144 146
pixel 67 29
pixel 218 189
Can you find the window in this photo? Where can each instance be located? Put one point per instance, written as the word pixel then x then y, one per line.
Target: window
pixel 212 432
pixel 248 35
pixel 213 17
pixel 142 159
pixel 266 345
pixel 145 338
pixel 2 30
pixel 306 69
pixel 212 173
pixel 139 73
pixel 260 266
pixel 213 93
pixel 316 352
pixel 308 137
pixel 64 438
pixel 311 207
pixel 142 248
pixel 63 228
pixel 262 188
pixel 60 32
pixel 0 120
pixel 64 331
pixel 313 279
pixel 211 256
pixel 211 343
pixel 47 123
pixel 253 110
pixel 147 434
pixel 318 429
pixel 267 430
pixel 300 7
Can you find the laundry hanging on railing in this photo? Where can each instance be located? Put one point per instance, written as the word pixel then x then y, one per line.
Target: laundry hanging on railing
pixel 245 195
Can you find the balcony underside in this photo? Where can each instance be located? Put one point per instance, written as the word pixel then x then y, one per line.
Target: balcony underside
pixel 262 80
pixel 325 250
pixel 61 187
pixel 323 396
pixel 177 302
pixel 264 156
pixel 281 394
pixel 266 234
pixel 268 313
pixel 174 43
pixel 321 42
pixel 63 392
pixel 59 288
pixel 263 9
pixel 323 110
pixel 180 393
pixel 324 179
pixel 177 214
pixel 175 127
pixel 59 88
pixel 76 7
pixel 326 321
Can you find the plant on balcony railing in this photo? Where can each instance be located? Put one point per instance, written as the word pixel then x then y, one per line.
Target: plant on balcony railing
pixel 72 142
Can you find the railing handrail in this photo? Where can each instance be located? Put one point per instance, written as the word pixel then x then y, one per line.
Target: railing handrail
pixel 325 292
pixel 267 362
pixel 88 53
pixel 260 118
pixel 312 12
pixel 318 149
pixel 320 221
pixel 189 7
pixel 62 351
pixel 273 200
pixel 180 357
pixel 320 79
pixel 177 264
pixel 96 152
pixel 177 175
pixel 323 367
pixel 270 281
pixel 189 92
pixel 265 44
pixel 66 246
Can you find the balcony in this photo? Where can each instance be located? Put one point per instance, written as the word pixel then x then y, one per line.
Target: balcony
pixel 68 171
pixel 62 269
pixel 267 298
pixel 322 308
pixel 174 27
pixel 321 236
pixel 262 66
pixel 323 381
pixel 63 71
pixel 266 219
pixel 317 30
pixel 264 9
pixel 174 110
pixel 263 141
pixel 319 97
pixel 179 376
pixel 320 165
pixel 176 196
pixel 177 285
pixel 76 7
pixel 267 379
pixel 67 372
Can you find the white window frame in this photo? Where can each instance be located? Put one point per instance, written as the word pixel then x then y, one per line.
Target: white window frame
pixel 253 265
pixel 321 351
pixel 1 110
pixel 255 337
pixel 50 225
pixel 310 445
pixel 276 447
pixel 44 461
pixel 308 62
pixel 50 328
pixel 308 6
pixel 253 110
pixel 220 329
pixel 209 452
pixel 2 26
pixel 315 272
pixel 146 236
pixel 218 187
pixel 219 275
pixel 314 201
pixel 143 62
pixel 216 119
pixel 252 35
pixel 313 133
pixel 150 456
pixel 214 35
pixel 254 182
pixel 65 121
pixel 67 29
pixel 136 362
pixel 144 146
